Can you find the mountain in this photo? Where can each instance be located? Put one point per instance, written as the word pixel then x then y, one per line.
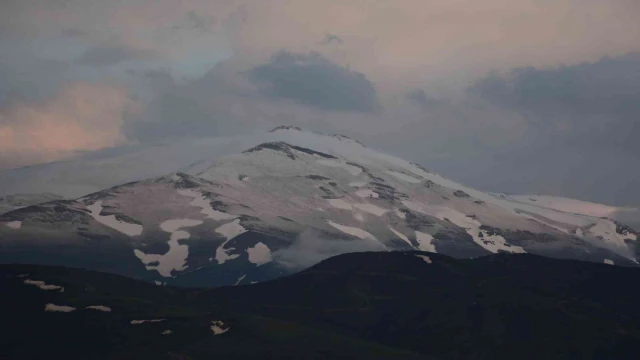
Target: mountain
pixel 374 305
pixel 18 201
pixel 287 201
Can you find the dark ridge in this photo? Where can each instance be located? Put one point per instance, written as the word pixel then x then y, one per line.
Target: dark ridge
pixel 460 193
pixel 276 146
pixel 429 184
pixel 365 171
pixel 317 177
pixel 286 149
pixel 312 152
pixel 285 127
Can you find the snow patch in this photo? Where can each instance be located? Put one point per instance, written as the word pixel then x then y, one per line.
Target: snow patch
pixel 176 224
pixel 340 204
pixel 15 225
pixel 99 308
pixel 111 221
pixel 357 232
pixel 425 242
pixel 136 322
pixel 365 193
pixel 371 209
pixel 229 230
pixel 357 184
pixel 608 262
pixel 425 258
pixel 175 259
pixel 201 202
pixel 353 170
pixel 404 177
pixel 58 308
pixel 606 229
pixel 259 254
pixel 216 327
pixel 167 332
pixel 401 236
pixel 401 215
pixel 42 285
pixel 492 243
pixel 240 279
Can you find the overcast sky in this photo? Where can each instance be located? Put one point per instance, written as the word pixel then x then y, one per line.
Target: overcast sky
pixel 519 96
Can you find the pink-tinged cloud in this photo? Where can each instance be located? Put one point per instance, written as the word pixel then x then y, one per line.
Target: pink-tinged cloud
pixel 82 116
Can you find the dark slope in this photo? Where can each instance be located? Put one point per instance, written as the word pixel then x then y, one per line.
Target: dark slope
pixel 495 307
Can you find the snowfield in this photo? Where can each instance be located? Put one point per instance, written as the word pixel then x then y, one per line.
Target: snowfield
pixel 58 308
pixel 42 285
pixel 175 259
pixel 112 222
pixel 216 327
pixel 15 225
pixel 196 197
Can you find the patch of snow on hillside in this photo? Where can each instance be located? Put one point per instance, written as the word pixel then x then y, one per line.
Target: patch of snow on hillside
pixel 176 258
pixel 340 204
pixel 371 209
pixel 425 242
pixel 357 232
pixel 176 224
pixel 606 229
pixel 358 217
pixel 137 322
pixel 99 308
pixel 200 201
pixel 111 221
pixel 167 332
pixel 425 258
pixel 357 184
pixel 15 225
pixel 365 193
pixel 229 230
pixel 58 308
pixel 240 279
pixel 353 170
pixel 404 177
pixel 492 243
pixel 216 327
pixel 259 254
pixel 401 215
pixel 608 262
pixel 567 205
pixel 401 236
pixel 42 285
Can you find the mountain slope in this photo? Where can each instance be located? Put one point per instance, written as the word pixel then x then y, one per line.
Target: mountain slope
pixel 280 206
pixel 374 305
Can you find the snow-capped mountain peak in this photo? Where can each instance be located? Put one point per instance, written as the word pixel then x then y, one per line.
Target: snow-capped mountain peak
pixel 285 200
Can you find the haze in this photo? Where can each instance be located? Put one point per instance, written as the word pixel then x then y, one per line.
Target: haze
pixel 519 96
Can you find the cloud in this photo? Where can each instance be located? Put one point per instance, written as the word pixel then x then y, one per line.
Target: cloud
pixel 113 54
pixel 331 38
pixel 82 116
pixel 311 247
pixel 582 129
pixel 592 105
pixel 313 80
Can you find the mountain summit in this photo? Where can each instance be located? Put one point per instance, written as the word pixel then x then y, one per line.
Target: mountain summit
pixel 227 211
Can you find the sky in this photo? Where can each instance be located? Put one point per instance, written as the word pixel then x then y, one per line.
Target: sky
pixel 516 96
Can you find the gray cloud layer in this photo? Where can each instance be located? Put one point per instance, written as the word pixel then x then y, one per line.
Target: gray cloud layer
pixel 313 80
pixel 391 74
